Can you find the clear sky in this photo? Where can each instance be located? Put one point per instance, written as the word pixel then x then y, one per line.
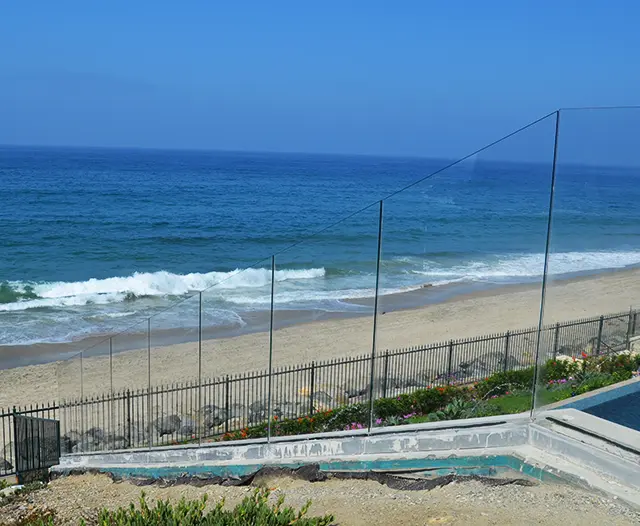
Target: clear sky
pixel 435 78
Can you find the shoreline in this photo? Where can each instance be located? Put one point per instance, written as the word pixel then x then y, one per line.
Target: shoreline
pixel 13 356
pixel 475 314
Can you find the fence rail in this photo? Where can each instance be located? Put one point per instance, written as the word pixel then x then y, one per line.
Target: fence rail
pixel 200 410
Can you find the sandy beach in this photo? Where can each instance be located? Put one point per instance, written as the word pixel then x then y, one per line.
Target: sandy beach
pixel 491 311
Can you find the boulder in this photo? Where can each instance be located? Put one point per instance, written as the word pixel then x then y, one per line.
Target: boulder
pixel 237 411
pixel 167 425
pixel 94 436
pixel 213 416
pixel 188 428
pixel 68 440
pixel 284 410
pixel 259 406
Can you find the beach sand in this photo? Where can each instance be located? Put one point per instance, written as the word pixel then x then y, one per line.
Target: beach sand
pixel 491 311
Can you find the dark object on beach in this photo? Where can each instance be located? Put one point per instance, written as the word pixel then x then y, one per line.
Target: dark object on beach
pixel 427 285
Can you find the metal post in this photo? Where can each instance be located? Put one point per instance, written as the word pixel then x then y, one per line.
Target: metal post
pixel 555 340
pixel 385 378
pixel 633 325
pixel 600 326
pixel 128 405
pixel 82 404
pixel 312 385
pixel 270 380
pixel 226 404
pixel 149 426
pixel 547 250
pixel 449 362
pixel 16 447
pixel 200 424
pixel 506 351
pixel 112 424
pixel 375 316
pixel 629 329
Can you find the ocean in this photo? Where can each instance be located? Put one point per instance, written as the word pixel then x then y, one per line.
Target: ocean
pixel 95 240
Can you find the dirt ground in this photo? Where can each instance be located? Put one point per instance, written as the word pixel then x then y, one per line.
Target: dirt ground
pixel 352 502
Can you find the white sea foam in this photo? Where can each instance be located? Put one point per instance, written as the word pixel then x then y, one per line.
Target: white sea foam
pixel 514 267
pixel 110 290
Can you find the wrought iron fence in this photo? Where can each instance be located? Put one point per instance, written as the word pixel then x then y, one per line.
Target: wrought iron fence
pixel 14 459
pixel 193 411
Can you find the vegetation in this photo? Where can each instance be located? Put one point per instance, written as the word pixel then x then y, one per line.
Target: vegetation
pixel 253 510
pixel 501 393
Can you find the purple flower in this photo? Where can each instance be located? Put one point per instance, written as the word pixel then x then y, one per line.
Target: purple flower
pixel 378 421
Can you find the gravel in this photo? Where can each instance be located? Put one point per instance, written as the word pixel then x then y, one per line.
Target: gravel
pixel 352 502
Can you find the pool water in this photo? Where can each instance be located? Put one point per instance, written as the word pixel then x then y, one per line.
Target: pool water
pixel 624 410
pixel 620 405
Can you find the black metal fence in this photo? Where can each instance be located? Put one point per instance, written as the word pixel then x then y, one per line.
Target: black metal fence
pixel 21 430
pixel 191 411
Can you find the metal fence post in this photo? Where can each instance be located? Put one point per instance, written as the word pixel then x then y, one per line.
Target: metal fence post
pixel 600 326
pixel 312 384
pixel 386 374
pixel 270 380
pixel 16 449
pixel 506 350
pixel 128 421
pixel 82 404
pixel 149 426
pixel 629 329
pixel 449 362
pixel 112 424
pixel 375 316
pixel 555 340
pixel 633 325
pixel 199 412
pixel 226 404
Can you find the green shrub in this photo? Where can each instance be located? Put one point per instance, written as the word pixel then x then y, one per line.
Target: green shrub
pixel 499 383
pixel 253 510
pixel 561 369
pixel 457 409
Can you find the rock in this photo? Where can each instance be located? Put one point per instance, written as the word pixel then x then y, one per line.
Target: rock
pixel 356 387
pixel 237 411
pixel 94 436
pixel 117 442
pixel 167 425
pixel 213 416
pixel 188 428
pixel 259 406
pixel 69 440
pixel 5 465
pixel 285 410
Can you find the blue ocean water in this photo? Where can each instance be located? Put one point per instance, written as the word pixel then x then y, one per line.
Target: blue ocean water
pixel 92 240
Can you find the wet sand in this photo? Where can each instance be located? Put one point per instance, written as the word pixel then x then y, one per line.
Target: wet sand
pixel 477 313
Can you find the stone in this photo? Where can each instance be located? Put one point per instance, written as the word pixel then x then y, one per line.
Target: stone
pixel 188 427
pixel 95 436
pixel 5 465
pixel 356 387
pixel 259 406
pixel 213 416
pixel 285 410
pixel 68 440
pixel 167 425
pixel 237 411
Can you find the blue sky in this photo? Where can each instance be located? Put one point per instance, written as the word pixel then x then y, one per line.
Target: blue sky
pixel 402 78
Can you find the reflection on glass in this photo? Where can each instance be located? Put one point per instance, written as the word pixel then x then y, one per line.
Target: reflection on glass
pixel 323 326
pixel 594 248
pixel 460 280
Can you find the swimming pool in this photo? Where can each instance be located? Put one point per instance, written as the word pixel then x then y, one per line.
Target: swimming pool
pixel 620 405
